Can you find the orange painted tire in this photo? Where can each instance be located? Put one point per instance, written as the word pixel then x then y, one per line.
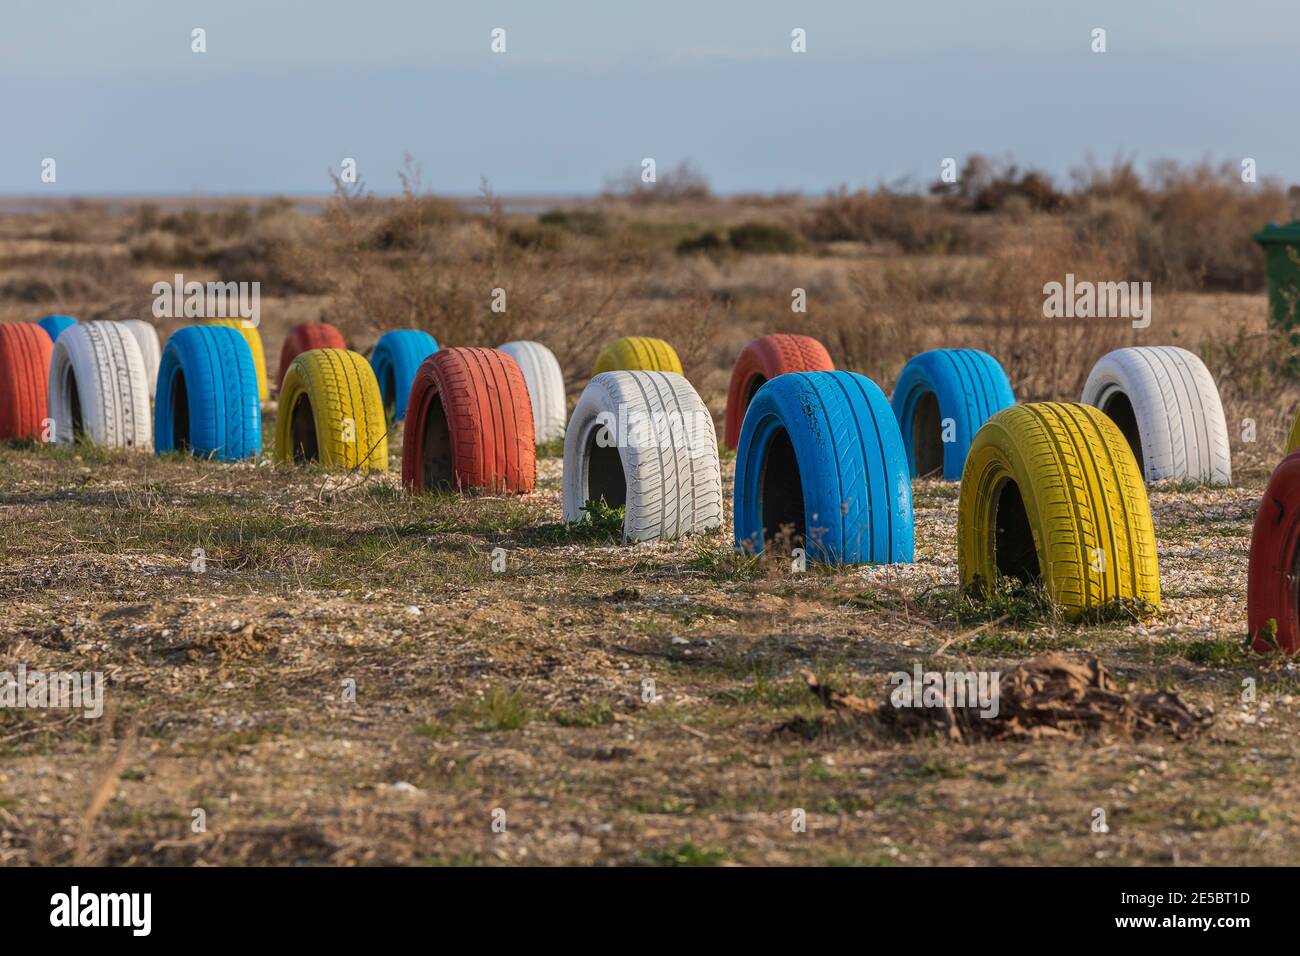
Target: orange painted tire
pixel 304 338
pixel 766 358
pixel 469 424
pixel 24 379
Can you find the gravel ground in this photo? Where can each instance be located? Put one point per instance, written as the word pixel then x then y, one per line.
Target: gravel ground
pixel 347 681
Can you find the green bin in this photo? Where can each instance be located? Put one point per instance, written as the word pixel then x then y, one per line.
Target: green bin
pixel 1281 245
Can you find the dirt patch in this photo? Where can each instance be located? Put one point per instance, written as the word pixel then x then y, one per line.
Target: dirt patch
pixel 1053 695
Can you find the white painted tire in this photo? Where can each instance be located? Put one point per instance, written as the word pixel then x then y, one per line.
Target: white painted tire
pixel 99 387
pixel 646 441
pixel 1164 400
pixel 146 336
pixel 545 387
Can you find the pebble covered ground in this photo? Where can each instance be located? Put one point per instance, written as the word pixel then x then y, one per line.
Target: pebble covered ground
pixel 346 680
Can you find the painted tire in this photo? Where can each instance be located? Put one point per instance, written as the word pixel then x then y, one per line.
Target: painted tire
pixel 330 412
pixel 24 380
pixel 303 338
pixel 55 324
pixel 766 358
pixel 1052 494
pixel 146 336
pixel 1166 404
pixel 947 392
pixel 469 424
pixel 396 358
pixel 254 339
pixel 820 464
pixel 658 461
pixel 98 388
pixel 1273 585
pixel 207 401
pixel 545 387
pixel 638 353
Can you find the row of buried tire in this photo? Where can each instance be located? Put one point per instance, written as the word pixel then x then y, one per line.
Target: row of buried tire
pixel 1051 493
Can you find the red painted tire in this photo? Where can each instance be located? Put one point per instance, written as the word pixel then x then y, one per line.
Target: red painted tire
pixel 307 336
pixel 1273 586
pixel 766 358
pixel 24 379
pixel 469 424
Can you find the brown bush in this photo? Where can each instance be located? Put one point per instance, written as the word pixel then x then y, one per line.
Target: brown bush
pixel 915 224
pixel 682 184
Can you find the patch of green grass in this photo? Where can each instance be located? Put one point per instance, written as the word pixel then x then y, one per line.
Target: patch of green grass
pixel 602 525
pixel 1211 651
pixel 551 449
pixel 1214 817
pixel 722 562
pixel 686 854
pixel 498 709
pixel 1018 603
pixel 934 769
pixel 431 728
pixel 593 715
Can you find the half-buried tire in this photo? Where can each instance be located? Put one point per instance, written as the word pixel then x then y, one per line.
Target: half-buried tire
pixel 941 399
pixel 638 353
pixel 24 380
pixel 330 412
pixel 254 339
pixel 766 358
pixel 396 358
pixel 1165 402
pixel 207 395
pixel 1051 496
pixel 303 338
pixel 545 387
pixel 469 425
pixel 146 336
pixel 98 387
pixel 820 466
pixel 1273 584
pixel 644 441
pixel 55 324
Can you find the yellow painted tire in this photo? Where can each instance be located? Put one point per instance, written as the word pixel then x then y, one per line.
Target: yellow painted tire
pixel 637 353
pixel 1051 494
pixel 1293 437
pixel 254 339
pixel 331 411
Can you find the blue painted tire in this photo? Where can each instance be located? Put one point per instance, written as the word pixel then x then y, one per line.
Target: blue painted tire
pixel 821 451
pixel 964 385
pixel 207 399
pixel 54 324
pixel 396 358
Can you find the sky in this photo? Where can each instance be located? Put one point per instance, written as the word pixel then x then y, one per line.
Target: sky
pixel 586 89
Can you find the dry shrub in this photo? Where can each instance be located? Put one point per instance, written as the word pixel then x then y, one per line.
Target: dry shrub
pixel 915 224
pixel 1189 228
pixel 273 244
pixel 71 277
pixel 1205 219
pixel 988 185
pixel 995 305
pixel 1249 369
pixel 682 184
pixel 409 263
